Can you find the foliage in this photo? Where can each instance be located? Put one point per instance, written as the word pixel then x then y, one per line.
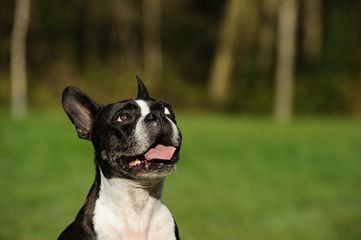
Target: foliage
pixel 98 45
pixel 237 178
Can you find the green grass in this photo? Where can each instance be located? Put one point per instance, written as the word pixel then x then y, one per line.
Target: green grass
pixel 238 178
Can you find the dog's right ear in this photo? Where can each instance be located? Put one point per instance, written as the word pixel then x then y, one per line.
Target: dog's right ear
pixel 81 110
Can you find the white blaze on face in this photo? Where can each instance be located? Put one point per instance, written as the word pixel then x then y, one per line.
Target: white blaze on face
pixel 144 108
pixel 140 133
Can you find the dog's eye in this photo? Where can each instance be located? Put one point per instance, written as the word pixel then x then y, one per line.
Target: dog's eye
pixel 124 117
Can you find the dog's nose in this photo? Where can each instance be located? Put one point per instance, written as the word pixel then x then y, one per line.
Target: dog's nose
pixel 155 116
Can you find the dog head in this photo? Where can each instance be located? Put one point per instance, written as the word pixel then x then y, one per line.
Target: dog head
pixel 134 138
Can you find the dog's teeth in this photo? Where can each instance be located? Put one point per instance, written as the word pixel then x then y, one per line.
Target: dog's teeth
pixel 135 163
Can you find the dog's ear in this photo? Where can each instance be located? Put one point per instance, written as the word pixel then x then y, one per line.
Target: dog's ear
pixel 142 90
pixel 80 109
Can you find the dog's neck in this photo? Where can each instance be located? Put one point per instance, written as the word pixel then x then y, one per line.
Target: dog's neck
pixel 122 191
pixel 129 209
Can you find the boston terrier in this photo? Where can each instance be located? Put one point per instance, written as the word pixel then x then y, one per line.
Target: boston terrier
pixel 137 145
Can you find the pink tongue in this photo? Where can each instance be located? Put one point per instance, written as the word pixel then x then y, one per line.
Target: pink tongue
pixel 160 152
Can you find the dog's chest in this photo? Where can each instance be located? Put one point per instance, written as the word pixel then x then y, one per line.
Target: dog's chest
pixel 130 214
pixel 127 225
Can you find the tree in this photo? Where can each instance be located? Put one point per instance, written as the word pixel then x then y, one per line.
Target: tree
pixel 18 58
pixel 266 37
pixel 223 61
pixel 286 50
pixel 312 29
pixel 153 60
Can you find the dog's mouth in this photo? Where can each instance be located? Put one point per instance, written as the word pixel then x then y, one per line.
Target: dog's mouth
pixel 158 155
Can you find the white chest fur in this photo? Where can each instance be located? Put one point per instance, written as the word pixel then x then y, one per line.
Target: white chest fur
pixel 128 210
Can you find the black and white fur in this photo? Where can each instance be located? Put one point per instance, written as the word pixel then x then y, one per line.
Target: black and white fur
pixel 125 201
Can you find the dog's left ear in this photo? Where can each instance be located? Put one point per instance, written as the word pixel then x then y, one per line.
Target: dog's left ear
pixel 81 110
pixel 142 90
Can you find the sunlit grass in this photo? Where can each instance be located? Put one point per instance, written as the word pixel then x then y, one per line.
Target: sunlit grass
pixel 238 178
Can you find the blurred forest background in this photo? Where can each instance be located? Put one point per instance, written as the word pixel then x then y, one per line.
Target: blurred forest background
pixel 230 55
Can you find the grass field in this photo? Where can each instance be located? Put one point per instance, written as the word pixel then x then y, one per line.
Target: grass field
pixel 238 178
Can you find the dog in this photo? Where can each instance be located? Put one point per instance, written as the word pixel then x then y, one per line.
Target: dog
pixel 137 144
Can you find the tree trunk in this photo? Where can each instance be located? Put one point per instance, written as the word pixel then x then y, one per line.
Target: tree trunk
pixel 312 28
pixel 266 40
pixel 126 18
pixel 223 61
pixel 287 24
pixel 153 60
pixel 18 59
